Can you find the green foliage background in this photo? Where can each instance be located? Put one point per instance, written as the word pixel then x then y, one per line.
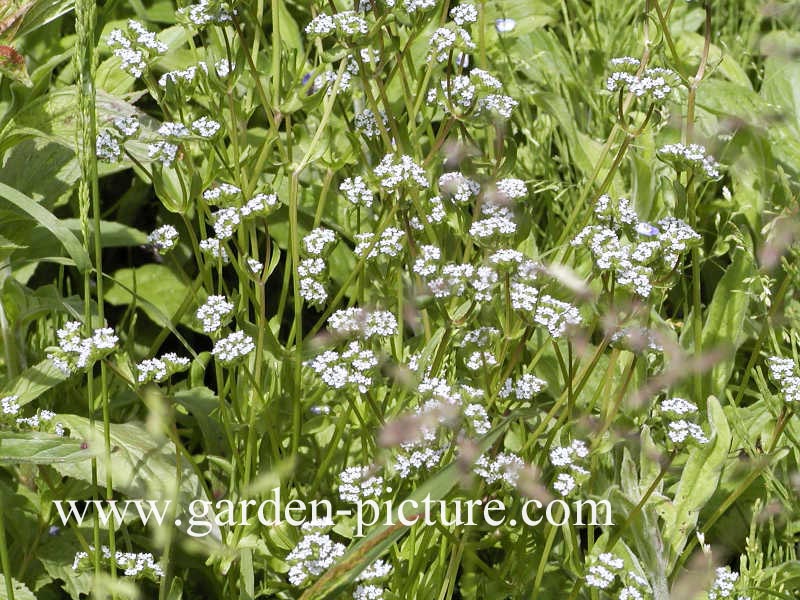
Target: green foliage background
pixel 238 434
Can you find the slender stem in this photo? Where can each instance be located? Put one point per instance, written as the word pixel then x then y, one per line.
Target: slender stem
pixel 4 562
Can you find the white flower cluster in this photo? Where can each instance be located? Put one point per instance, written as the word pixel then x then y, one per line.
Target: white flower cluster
pixel 394 171
pixel 677 407
pixel 416 459
pixel 496 225
pixel 359 483
pixel 568 461
pixel 162 151
pixel 464 14
pixel 457 186
pixel 76 353
pixel 9 405
pixel 134 47
pixel 222 194
pixel 160 369
pixel 356 191
pixel 205 127
pixel 478 418
pixel 227 219
pixel 361 323
pixel 207 12
pixel 476 93
pixel 679 430
pixel 41 421
pixel 524 388
pixel 504 467
pixel 127 126
pixel 233 347
pixel 368 588
pixel 783 372
pixel 602 573
pixel 108 147
pixel 313 279
pixel 629 63
pixel 606 571
pixel 214 248
pixel 724 585
pixel 512 188
pixel 389 244
pixel 445 40
pixel 346 24
pixel 635 251
pixel 556 315
pixel 693 156
pixel 163 238
pixel 314 554
pixel 353 367
pixel 214 313
pixel 636 339
pixel 655 83
pixel 133 563
pixel 367 124
pixel 319 241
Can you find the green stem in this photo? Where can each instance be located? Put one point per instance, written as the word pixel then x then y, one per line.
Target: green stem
pixel 4 562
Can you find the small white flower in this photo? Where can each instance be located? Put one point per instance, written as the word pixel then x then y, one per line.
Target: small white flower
pixel 504 467
pixel 692 156
pixel 356 191
pixel 233 347
pixel 205 127
pixel 214 248
pixel 318 241
pixel 9 405
pixel 215 312
pixel 359 483
pixel 464 14
pixel 162 151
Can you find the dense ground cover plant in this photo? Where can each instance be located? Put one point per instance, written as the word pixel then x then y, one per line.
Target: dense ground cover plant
pixel 381 251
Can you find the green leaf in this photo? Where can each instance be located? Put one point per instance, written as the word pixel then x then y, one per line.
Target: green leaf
pixel 56 227
pixel 157 290
pixel 35 381
pixel 698 482
pixel 113 234
pixel 42 12
pixel 142 466
pixel 724 324
pixel 781 88
pixel 40 449
pixel 21 591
